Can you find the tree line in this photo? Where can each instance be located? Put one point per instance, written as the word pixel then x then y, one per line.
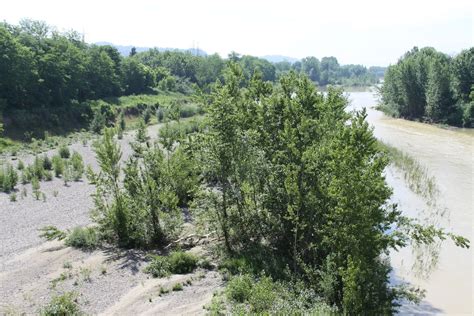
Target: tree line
pixel 431 86
pixel 41 67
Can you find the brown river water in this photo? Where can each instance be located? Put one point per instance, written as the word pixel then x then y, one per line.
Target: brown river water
pixel 447 154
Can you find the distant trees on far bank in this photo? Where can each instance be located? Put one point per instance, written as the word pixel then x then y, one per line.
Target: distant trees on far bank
pixel 431 86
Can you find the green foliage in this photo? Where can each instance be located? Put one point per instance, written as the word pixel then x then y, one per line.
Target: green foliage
pixel 249 295
pixel 159 267
pixel 182 262
pixel 77 165
pixel 292 179
pixel 177 287
pixel 147 115
pixel 141 135
pixel 8 178
pixel 35 187
pixel 52 232
pixel 239 288
pixel 62 305
pixel 58 165
pixel 83 238
pixel 176 262
pixel 429 85
pixel 64 152
pixel 140 208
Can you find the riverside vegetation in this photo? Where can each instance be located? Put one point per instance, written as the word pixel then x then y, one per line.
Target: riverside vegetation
pixel 431 86
pixel 54 82
pixel 291 185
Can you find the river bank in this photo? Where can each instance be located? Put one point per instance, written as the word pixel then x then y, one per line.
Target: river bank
pixel 447 155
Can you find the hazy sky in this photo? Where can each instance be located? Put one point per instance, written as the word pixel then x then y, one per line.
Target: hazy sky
pixel 363 31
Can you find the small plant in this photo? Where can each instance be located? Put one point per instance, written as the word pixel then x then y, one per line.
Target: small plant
pixel 13 197
pixel 163 291
pixel 68 172
pixel 48 175
pixel 182 262
pixel 205 263
pixel 35 186
pixel 43 195
pixel 160 115
pixel 83 238
pixel 178 262
pixel 20 165
pixel 8 178
pixel 58 165
pixel 67 265
pixel 141 135
pixel 38 168
pixel 159 267
pixel 55 193
pixel 52 232
pixel 147 115
pixel 47 164
pixel 86 274
pixel 24 192
pixel 64 152
pixel 77 166
pixel 177 287
pixel 62 305
pixel 239 288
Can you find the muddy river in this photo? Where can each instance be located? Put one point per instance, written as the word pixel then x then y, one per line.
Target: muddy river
pixel 447 154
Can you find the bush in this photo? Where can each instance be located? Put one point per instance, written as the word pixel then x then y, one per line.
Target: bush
pixel 8 178
pixel 83 238
pixel 159 267
pixel 182 262
pixel 239 289
pixel 178 287
pixel 64 152
pixel 62 305
pixel 177 262
pixel 47 164
pixel 58 165
pixel 38 168
pixel 77 166
pixel 188 110
pixel 160 115
pixel 147 115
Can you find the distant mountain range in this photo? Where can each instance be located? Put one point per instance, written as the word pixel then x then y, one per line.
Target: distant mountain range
pixel 125 51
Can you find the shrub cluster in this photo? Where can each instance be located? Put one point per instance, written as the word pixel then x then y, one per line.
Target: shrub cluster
pixel 177 262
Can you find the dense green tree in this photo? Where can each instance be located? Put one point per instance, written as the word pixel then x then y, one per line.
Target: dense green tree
pixel 138 78
pixel 463 74
pixel 426 84
pixel 310 66
pixel 293 177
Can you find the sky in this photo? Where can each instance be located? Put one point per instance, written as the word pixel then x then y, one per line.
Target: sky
pixel 364 32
